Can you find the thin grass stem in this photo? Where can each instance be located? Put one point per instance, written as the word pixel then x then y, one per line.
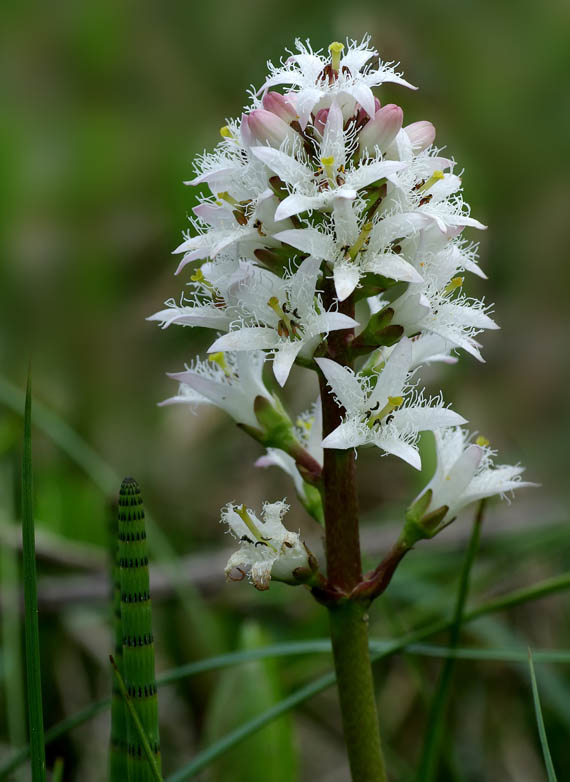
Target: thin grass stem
pixel 540 723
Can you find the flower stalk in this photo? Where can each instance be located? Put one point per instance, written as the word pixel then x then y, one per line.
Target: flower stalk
pixel 331 240
pixel 348 616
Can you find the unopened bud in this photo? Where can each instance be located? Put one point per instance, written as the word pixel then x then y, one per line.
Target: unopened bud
pixel 267 128
pixel 421 134
pixel 382 129
pixel 321 120
pixel 281 105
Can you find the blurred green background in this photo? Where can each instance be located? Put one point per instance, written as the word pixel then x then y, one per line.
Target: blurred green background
pixel 104 106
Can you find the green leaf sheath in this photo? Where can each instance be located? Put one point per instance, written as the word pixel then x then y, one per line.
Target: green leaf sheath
pixel 119 743
pixel 136 621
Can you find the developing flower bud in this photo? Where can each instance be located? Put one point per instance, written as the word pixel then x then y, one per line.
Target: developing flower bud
pixel 281 105
pixel 421 134
pixel 267 128
pixel 382 129
pixel 321 120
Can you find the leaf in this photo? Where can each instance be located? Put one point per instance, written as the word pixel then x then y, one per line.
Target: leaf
pixel 540 723
pixel 436 718
pixel 32 636
pixel 378 650
pixel 240 695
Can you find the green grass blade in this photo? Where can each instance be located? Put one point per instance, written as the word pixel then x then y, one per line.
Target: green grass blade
pixel 540 723
pixel 137 637
pixel 431 750
pixel 64 436
pixel 378 650
pixel 143 740
pixel 205 631
pixel 205 758
pixel 57 773
pixel 12 657
pixel 32 635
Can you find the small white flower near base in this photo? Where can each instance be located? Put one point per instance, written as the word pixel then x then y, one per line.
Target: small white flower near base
pixel 267 549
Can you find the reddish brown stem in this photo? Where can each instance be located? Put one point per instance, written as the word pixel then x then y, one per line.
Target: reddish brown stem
pixel 344 567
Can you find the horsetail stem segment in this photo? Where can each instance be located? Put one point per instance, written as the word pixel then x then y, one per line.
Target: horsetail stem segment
pixel 118 744
pixel 137 639
pixel 135 719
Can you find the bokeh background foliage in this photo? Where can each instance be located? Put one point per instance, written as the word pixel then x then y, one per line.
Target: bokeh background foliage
pixel 104 106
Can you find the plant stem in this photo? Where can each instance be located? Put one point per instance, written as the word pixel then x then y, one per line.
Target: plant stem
pixel 349 635
pixel 348 618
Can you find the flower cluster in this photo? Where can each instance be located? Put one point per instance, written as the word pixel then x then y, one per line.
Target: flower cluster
pixel 320 197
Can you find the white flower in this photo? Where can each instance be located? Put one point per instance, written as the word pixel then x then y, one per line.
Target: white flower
pixel 465 473
pixel 317 80
pixel 267 549
pixel 350 252
pixel 291 320
pixel 230 226
pixel 214 297
pixel 230 381
pixel 435 305
pixel 426 349
pixel 377 410
pixel 338 177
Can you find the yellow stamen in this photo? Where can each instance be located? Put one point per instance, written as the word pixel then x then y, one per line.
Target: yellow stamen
pixel 362 239
pixel 220 360
pixel 336 48
pixel 435 177
pixel 453 284
pixel 226 132
pixel 482 441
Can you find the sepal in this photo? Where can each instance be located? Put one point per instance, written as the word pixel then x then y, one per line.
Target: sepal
pixel 277 429
pixel 420 524
pixel 379 332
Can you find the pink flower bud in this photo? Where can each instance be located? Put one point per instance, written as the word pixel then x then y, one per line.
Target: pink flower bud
pixel 421 134
pixel 268 128
pixel 281 105
pixel 382 129
pixel 321 120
